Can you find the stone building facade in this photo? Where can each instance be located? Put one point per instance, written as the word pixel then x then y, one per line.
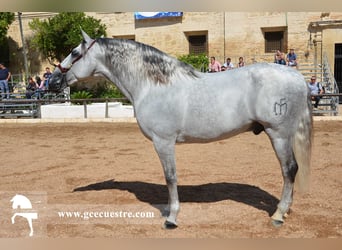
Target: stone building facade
pixel 252 35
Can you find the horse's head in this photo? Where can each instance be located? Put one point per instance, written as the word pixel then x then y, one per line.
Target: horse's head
pixel 21 201
pixel 77 65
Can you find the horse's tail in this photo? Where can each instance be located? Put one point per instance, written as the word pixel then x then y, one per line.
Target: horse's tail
pixel 302 147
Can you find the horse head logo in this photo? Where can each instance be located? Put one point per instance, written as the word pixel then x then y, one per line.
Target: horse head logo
pixel 22 202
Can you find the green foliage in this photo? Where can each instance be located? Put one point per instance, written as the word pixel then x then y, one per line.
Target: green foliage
pixel 111 91
pixel 98 87
pixel 57 36
pixel 6 18
pixel 199 62
pixel 81 95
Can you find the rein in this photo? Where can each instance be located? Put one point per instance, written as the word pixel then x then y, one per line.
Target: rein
pixel 65 70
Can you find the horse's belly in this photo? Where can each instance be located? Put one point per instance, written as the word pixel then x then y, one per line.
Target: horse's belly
pixel 201 132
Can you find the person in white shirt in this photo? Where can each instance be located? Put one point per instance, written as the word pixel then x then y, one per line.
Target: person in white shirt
pixel 228 64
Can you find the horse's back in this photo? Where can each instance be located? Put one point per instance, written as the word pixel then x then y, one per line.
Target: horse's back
pixel 252 90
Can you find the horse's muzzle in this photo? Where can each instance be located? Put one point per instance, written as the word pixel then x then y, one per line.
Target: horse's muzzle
pixel 57 81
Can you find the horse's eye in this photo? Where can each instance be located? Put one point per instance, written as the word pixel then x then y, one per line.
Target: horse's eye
pixel 74 53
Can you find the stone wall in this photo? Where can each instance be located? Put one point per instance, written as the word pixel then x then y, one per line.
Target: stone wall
pixel 229 34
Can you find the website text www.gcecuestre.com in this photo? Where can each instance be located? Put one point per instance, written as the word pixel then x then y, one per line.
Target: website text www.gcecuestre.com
pixel 86 215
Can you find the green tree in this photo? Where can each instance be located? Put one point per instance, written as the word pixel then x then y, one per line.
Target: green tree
pixel 6 18
pixel 55 37
pixel 199 62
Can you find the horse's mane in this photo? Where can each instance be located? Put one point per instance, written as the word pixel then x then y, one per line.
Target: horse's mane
pixel 155 64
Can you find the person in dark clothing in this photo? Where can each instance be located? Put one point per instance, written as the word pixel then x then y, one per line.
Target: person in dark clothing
pixel 31 88
pixel 4 78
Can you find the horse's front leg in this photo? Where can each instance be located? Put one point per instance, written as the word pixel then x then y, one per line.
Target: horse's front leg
pixel 166 153
pixel 13 218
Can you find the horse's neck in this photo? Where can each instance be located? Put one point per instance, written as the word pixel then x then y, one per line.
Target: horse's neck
pixel 137 68
pixel 129 86
pixel 129 79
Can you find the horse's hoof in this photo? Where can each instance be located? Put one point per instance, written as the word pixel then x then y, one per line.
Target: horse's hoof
pixel 170 225
pixel 277 223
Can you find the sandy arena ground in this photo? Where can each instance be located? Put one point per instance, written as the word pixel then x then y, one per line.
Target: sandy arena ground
pixel 227 189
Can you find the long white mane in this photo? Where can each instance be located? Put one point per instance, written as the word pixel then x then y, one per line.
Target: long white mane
pixel 157 66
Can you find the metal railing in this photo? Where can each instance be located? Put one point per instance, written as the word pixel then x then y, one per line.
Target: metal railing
pixel 34 105
pixel 330 102
pixel 328 76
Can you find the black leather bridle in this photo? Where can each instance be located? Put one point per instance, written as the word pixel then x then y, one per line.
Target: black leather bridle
pixel 62 83
pixel 65 70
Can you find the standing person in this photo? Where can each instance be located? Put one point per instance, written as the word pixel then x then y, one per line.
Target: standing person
pixel 46 78
pixel 5 75
pixel 214 66
pixel 315 89
pixel 291 58
pixel 241 62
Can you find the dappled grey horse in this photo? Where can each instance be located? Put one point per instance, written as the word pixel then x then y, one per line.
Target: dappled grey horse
pixel 174 103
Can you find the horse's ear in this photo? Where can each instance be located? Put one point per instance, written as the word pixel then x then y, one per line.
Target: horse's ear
pixel 86 38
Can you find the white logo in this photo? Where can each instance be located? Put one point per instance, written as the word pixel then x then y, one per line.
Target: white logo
pixel 22 202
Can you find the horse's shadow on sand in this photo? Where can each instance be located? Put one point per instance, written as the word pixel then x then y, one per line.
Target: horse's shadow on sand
pixel 211 192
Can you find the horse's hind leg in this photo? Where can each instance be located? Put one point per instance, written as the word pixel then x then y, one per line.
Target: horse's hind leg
pixel 29 220
pixel 289 167
pixel 166 153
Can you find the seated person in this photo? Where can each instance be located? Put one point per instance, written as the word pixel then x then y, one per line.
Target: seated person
pixel 41 87
pixel 279 58
pixel 214 66
pixel 241 62
pixel 31 88
pixel 291 58
pixel 315 89
pixel 39 82
pixel 227 65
